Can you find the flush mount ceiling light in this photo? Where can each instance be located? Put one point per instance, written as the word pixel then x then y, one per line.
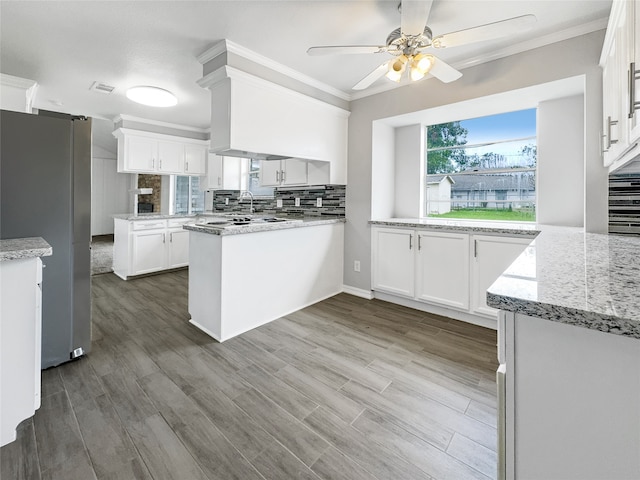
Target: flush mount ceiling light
pixel 152 96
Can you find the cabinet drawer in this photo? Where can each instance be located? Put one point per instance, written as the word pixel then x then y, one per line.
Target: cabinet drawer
pixel 179 222
pixel 148 224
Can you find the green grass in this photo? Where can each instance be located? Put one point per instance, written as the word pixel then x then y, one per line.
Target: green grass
pixel 489 214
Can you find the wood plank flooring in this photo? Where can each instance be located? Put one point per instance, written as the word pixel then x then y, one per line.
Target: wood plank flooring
pixel 345 389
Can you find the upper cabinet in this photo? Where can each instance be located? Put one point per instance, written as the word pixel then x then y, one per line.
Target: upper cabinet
pixel 620 62
pixel 147 152
pixel 291 171
pixel 251 117
pixel 226 173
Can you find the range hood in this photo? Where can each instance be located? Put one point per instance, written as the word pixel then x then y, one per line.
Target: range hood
pixel 244 154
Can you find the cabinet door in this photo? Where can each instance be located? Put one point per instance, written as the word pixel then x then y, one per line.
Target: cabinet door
pixel 270 172
pixel 393 261
pixel 491 257
pixel 214 172
pixel 195 160
pixel 178 248
pixel 633 14
pixel 170 157
pixel 294 172
pixel 149 252
pixel 140 154
pixel 443 269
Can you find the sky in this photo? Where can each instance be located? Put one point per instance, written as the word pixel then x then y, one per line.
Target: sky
pixel 501 127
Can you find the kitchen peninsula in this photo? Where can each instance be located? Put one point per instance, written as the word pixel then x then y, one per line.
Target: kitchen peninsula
pixel 569 349
pixel 243 276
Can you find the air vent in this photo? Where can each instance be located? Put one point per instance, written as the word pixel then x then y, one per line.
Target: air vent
pixel 102 88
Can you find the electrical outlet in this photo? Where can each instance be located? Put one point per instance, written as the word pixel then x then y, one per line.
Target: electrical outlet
pixel 278 203
pixel 319 202
pixel 356 265
pixel 226 201
pixel 297 202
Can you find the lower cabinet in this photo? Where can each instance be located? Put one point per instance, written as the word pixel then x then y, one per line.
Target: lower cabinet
pixel 393 268
pixel 146 246
pixel 443 269
pixel 446 269
pixel 491 257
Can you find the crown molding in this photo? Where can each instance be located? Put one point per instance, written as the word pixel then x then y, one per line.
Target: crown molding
pixel 131 118
pixel 17 82
pixel 559 36
pixel 227 45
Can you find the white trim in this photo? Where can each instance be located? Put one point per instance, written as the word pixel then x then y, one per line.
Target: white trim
pixel 11 81
pixel 229 46
pixel 358 292
pixel 617 8
pixel 578 30
pixel 120 132
pixel 227 71
pixel 482 321
pixel 131 118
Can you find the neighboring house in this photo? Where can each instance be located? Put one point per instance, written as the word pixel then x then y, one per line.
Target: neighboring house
pixel 439 194
pixel 501 191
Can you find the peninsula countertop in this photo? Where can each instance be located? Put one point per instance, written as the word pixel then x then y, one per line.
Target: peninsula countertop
pixel 299 222
pixel 20 248
pixel 584 279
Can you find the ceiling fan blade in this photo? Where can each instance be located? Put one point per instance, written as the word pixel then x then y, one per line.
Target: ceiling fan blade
pixel 372 77
pixel 414 16
pixel 485 32
pixel 345 50
pixel 443 71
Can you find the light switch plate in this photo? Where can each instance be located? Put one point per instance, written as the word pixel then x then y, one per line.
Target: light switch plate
pixel 297 202
pixel 279 203
pixel 319 202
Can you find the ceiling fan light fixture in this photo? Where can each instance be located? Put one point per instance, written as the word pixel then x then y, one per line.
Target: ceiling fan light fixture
pixel 420 66
pixel 152 96
pixel 397 68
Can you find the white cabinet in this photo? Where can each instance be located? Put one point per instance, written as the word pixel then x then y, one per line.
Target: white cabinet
pixel 147 152
pixel 226 173
pixel 291 171
pixel 621 100
pixel 491 257
pixel 394 261
pixel 146 246
pixel 20 343
pixel 256 116
pixel 443 269
pixel 195 160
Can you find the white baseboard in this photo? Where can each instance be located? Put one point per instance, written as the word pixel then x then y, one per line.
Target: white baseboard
pixel 358 292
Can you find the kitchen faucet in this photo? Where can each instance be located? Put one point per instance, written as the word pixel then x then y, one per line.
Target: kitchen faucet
pixel 243 194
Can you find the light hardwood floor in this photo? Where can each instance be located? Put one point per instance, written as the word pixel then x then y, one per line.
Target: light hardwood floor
pixel 345 389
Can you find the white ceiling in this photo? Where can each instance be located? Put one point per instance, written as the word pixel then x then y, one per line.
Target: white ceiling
pixel 66 46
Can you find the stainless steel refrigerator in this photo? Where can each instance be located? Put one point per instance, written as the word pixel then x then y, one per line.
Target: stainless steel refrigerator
pixel 45 191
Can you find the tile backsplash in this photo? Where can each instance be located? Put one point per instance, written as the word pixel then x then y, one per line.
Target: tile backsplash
pixel 624 204
pixel 333 201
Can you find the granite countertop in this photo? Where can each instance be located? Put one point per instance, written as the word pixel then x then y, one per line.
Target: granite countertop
pixel 20 248
pixel 583 279
pixel 151 216
pixel 265 227
pixel 524 229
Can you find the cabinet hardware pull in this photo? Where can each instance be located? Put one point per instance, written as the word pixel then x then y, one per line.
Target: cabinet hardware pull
pixel 283 175
pixel 610 141
pixel 475 248
pixel 633 76
pixel 419 242
pixel 602 143
pixel 153 163
pixel 219 181
pixel 160 164
pixel 171 237
pixel 277 176
pixel 410 241
pixel 164 238
pixel 186 166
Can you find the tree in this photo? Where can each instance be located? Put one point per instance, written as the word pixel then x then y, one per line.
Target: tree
pixel 530 154
pixel 446 135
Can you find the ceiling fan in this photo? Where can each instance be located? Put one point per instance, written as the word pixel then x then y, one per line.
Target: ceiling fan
pixel 408 43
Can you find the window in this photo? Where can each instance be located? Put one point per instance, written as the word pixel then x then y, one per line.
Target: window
pixel 186 195
pixel 254 181
pixel 483 168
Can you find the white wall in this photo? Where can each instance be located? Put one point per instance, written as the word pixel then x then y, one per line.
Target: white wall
pixel 560 175
pixel 409 172
pixel 382 173
pixel 109 193
pixel 574 57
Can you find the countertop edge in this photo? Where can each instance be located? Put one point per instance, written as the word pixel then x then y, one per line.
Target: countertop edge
pixel 447 226
pixel 23 248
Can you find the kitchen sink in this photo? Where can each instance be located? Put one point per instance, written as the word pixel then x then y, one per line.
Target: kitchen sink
pixel 234 220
